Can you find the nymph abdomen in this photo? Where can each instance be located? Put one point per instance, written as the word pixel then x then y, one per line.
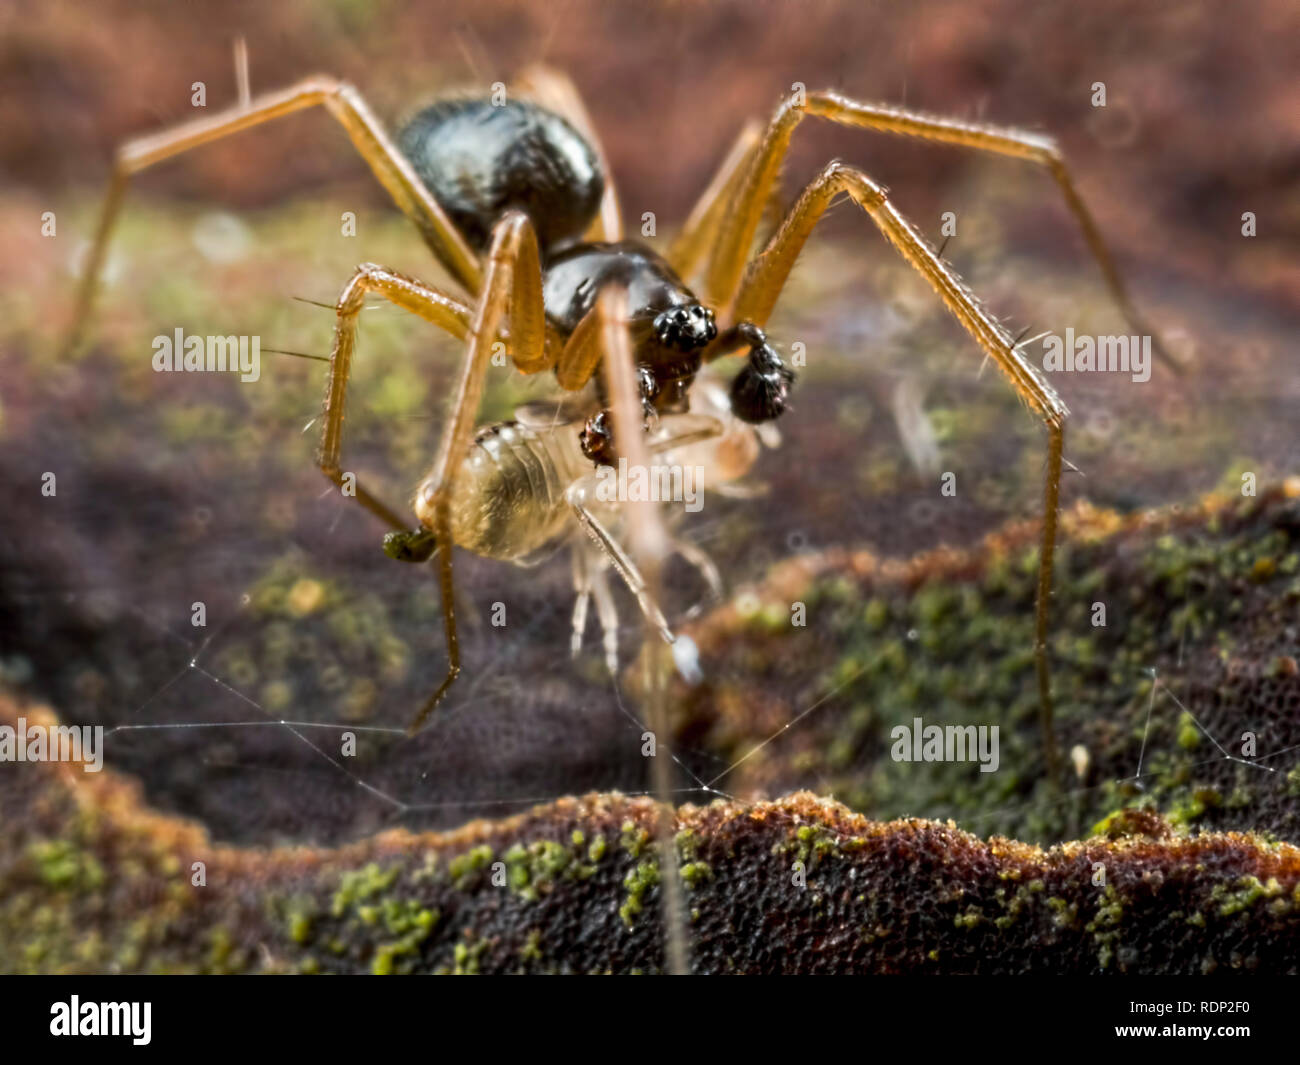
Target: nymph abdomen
pixel 509 496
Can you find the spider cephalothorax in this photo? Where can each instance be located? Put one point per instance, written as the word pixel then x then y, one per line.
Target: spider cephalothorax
pixel 670 331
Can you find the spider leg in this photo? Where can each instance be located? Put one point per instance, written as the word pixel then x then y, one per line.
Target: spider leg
pixel 700 231
pixel 767 274
pixel 648 541
pixel 346 105
pixel 736 234
pixel 512 286
pixel 556 92
pixel 446 312
pixel 581 354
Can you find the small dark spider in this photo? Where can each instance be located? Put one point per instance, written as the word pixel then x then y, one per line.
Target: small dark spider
pixel 512 197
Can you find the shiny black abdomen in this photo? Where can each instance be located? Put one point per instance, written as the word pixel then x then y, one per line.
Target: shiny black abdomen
pixel 480 160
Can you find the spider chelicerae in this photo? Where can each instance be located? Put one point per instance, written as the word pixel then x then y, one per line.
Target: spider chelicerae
pixel 512 194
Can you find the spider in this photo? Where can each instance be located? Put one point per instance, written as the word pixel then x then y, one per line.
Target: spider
pixel 513 198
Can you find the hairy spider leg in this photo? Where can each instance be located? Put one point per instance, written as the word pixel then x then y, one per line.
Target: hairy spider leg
pixel 699 232
pixel 512 288
pixel 648 541
pixel 766 276
pixel 346 105
pixel 582 353
pixel 752 192
pixel 445 311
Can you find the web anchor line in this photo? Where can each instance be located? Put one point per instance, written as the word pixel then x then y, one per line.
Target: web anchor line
pixel 698 784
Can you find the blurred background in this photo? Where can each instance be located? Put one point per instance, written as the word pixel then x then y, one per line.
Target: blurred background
pixel 180 489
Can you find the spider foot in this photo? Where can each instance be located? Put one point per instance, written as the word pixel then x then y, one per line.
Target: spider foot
pixel 414 545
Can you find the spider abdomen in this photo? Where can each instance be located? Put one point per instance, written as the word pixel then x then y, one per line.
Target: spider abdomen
pixel 481 159
pixel 509 499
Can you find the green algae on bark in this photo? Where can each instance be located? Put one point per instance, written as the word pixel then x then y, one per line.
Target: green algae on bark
pixel 1174 645
pixel 92 881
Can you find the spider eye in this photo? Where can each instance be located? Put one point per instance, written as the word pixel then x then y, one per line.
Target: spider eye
pixel 686 327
